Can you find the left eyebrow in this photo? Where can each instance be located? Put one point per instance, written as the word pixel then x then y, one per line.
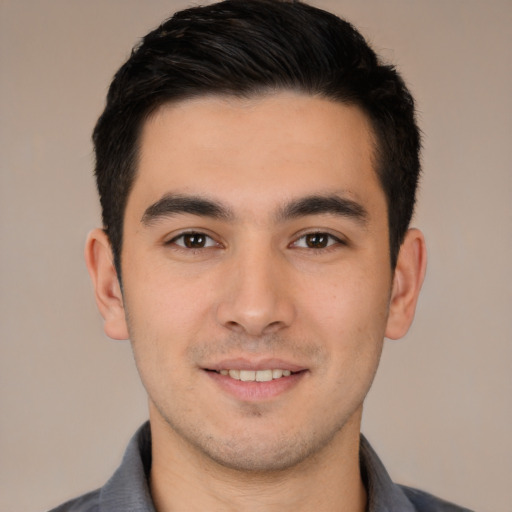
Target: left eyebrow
pixel 176 204
pixel 319 204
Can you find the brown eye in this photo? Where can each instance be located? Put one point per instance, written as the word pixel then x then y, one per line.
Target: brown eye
pixel 317 240
pixel 193 241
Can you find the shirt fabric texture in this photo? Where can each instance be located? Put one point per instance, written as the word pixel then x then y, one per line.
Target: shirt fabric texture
pixel 128 489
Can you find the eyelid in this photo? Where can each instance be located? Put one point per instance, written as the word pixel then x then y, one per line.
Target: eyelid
pixel 334 239
pixel 173 240
pixel 212 241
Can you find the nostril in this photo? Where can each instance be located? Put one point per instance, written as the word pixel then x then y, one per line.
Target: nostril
pixel 254 313
pixel 234 326
pixel 273 326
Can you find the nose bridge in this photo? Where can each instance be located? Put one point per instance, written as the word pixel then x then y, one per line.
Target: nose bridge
pixel 256 299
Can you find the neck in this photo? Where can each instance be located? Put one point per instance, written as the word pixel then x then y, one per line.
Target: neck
pixel 184 479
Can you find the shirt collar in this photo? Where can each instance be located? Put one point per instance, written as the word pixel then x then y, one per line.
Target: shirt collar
pixel 383 494
pixel 128 489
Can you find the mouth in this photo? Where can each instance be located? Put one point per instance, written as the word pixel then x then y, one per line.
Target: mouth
pixel 266 375
pixel 255 381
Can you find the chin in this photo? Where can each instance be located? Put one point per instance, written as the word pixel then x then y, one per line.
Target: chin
pixel 263 452
pixel 267 458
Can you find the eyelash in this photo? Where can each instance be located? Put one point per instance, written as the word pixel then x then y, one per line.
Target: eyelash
pixel 332 241
pixel 174 241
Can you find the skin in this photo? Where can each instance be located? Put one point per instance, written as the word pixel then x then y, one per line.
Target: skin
pixel 258 280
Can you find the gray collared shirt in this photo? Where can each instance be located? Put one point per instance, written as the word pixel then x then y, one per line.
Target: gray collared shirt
pixel 128 490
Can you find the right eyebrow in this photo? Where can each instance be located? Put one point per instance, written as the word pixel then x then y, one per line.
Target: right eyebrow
pixel 176 204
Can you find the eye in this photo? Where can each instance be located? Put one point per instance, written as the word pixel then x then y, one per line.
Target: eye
pixel 317 240
pixel 193 240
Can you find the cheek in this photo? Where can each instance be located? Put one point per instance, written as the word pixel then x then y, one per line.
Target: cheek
pixel 164 298
pixel 349 317
pixel 349 301
pixel 160 319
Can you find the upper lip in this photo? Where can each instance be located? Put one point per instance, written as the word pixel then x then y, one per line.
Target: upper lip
pixel 254 364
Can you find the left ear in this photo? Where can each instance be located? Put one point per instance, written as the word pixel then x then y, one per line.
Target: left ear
pixel 407 281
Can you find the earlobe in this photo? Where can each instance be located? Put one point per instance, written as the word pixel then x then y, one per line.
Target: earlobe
pixel 109 298
pixel 407 281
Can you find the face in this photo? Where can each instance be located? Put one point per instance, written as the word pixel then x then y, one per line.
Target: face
pixel 256 275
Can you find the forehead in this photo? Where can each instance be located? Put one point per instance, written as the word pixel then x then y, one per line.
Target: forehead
pixel 256 148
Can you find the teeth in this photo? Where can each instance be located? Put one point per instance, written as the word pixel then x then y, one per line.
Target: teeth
pixel 247 375
pixel 258 376
pixel 264 375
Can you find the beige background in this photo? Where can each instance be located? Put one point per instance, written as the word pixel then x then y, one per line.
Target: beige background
pixel 440 412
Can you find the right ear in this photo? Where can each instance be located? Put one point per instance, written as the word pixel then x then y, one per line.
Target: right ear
pixel 109 298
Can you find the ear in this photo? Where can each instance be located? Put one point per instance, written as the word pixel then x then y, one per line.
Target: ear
pixel 109 298
pixel 407 281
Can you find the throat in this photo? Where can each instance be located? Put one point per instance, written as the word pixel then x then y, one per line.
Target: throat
pixel 182 477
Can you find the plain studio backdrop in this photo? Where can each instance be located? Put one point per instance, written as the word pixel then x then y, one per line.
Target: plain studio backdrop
pixel 440 411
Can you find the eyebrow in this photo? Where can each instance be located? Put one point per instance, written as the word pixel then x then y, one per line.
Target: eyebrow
pixel 176 204
pixel 319 204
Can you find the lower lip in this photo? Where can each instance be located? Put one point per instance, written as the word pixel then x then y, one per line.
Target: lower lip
pixel 255 391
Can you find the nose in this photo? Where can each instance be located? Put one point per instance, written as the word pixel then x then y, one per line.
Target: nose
pixel 257 297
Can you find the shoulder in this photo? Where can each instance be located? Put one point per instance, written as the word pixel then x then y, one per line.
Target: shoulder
pixel 424 502
pixel 87 503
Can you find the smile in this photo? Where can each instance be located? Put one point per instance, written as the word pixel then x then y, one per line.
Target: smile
pixel 256 381
pixel 256 375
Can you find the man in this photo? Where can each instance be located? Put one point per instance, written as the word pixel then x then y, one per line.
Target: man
pixel 257 168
